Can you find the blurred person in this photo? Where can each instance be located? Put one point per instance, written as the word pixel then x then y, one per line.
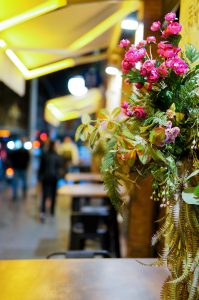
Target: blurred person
pixel 19 159
pixel 49 172
pixel 69 151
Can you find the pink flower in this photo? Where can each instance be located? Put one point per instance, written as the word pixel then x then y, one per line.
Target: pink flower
pixel 141 53
pixel 162 71
pixel 126 66
pixel 169 63
pixel 143 72
pixel 131 56
pixel 178 65
pixel 168 124
pixel 129 112
pixel 153 76
pixel 138 85
pixel 170 16
pixel 167 50
pixel 171 134
pixel 155 26
pixel 172 29
pixel 148 65
pixel 124 43
pixel 141 44
pixel 151 39
pixel 139 112
pixel 125 105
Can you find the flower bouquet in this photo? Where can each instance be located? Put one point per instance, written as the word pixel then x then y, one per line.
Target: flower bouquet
pixel 157 132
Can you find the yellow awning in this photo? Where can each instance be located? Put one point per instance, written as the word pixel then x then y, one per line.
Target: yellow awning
pixel 71 107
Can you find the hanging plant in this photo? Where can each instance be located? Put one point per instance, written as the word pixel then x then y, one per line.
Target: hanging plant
pixel 157 132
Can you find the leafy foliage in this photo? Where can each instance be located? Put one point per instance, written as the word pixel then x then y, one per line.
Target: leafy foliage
pixel 157 132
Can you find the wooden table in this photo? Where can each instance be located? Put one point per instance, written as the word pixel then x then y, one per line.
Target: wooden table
pixel 83 190
pixel 83 177
pixel 80 279
pixel 89 191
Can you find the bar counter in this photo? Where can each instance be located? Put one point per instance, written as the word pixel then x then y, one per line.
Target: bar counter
pixel 80 279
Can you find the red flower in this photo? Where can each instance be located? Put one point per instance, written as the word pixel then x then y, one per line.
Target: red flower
pixel 139 112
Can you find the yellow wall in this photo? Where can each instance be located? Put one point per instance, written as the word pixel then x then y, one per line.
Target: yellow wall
pixel 189 18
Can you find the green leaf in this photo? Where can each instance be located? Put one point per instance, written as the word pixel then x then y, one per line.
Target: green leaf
pixel 134 76
pixel 174 39
pixel 84 134
pixel 196 191
pixel 157 155
pixel 86 119
pixel 143 154
pixel 157 136
pixel 189 197
pixel 196 172
pixel 116 112
pixel 127 133
pixel 93 137
pixel 191 53
pixel 79 131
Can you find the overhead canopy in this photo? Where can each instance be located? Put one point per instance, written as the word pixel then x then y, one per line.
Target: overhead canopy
pixel 43 36
pixel 71 107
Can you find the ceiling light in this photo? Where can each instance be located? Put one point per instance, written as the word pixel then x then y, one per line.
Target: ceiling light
pixel 76 86
pixel 129 24
pixel 112 70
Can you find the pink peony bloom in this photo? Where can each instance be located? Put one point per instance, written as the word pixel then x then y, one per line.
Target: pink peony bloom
pixel 124 43
pixel 148 65
pixel 153 76
pixel 143 72
pixel 167 50
pixel 155 26
pixel 169 63
pixel 170 16
pixel 129 112
pixel 172 29
pixel 139 112
pixel 162 71
pixel 126 66
pixel 131 56
pixel 151 39
pixel 178 65
pixel 141 53
pixel 125 105
pixel 141 44
pixel 138 85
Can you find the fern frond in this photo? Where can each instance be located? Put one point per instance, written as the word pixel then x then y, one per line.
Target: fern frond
pixel 185 273
pixel 194 286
